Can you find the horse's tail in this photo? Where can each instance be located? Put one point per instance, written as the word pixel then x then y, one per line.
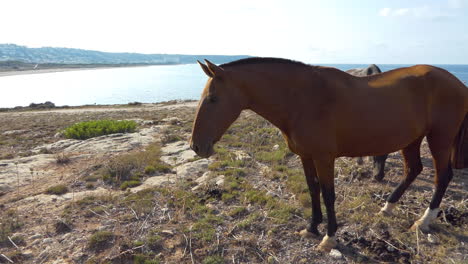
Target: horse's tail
pixel 459 157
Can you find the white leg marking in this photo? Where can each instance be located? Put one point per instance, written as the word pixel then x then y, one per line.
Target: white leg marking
pixel 426 219
pixel 387 209
pixel 327 243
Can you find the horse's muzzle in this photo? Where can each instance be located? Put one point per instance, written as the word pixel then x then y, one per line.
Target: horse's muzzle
pixel 204 151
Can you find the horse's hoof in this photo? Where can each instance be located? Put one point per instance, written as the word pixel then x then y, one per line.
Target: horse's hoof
pixel 327 244
pixel 379 177
pixel 419 225
pixel 387 210
pixel 307 234
pixel 385 213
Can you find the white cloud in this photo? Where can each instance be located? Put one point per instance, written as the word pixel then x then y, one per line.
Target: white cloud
pixel 434 12
pixel 401 12
pixel 385 11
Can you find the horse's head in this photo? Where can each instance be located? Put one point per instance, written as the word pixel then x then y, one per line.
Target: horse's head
pixel 220 104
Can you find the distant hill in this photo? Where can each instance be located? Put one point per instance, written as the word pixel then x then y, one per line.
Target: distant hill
pixel 12 52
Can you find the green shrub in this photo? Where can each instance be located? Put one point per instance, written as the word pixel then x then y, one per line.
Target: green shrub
pixel 89 129
pixel 57 189
pixel 100 240
pixel 150 169
pixel 129 184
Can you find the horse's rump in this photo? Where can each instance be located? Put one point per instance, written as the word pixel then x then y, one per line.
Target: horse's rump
pixel 460 149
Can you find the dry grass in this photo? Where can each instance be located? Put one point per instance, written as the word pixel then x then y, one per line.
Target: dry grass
pixel 254 216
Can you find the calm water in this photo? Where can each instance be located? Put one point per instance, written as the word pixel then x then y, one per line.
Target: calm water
pixel 122 85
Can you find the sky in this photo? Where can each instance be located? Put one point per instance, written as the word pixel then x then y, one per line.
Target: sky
pixel 312 31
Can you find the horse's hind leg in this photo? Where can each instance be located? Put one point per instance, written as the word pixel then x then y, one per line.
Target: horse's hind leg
pixel 379 166
pixel 412 168
pixel 441 149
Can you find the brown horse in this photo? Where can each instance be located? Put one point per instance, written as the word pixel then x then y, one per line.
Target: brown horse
pixel 325 113
pixel 378 161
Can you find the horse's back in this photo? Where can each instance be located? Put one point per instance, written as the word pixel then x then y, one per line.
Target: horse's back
pixel 417 97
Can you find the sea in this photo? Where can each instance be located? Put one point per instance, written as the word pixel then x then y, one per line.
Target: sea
pixel 150 84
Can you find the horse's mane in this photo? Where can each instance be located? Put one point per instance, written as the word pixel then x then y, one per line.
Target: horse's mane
pixel 259 60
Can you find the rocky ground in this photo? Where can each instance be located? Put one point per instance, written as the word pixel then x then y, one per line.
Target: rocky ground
pixel 246 204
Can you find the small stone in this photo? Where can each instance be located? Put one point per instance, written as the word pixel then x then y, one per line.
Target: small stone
pixel 35 236
pixel 219 180
pixel 47 241
pixel 276 147
pixel 27 253
pixel 167 232
pixel 211 206
pixel 432 239
pixel 77 256
pixel 390 249
pixel 241 155
pixel 336 254
pixel 44 254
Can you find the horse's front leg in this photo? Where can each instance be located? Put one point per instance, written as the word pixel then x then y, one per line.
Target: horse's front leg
pixel 325 169
pixel 314 190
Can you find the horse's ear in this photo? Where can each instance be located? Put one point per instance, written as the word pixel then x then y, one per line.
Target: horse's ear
pixel 216 70
pixel 205 69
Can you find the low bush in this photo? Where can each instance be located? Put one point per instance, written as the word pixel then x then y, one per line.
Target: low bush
pixel 89 129
pixel 57 189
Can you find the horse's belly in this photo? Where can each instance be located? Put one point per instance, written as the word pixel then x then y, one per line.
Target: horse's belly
pixel 371 139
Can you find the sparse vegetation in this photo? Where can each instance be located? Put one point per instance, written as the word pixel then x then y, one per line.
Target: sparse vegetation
pixel 9 223
pixel 62 158
pixel 100 240
pixel 252 217
pixel 127 170
pixel 89 129
pixel 57 189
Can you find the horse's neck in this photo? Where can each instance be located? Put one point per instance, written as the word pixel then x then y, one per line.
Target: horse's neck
pixel 270 101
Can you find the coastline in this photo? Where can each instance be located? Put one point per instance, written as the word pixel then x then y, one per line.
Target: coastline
pixel 24 72
pixel 65 69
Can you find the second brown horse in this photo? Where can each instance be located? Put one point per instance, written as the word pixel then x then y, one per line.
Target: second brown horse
pixel 325 113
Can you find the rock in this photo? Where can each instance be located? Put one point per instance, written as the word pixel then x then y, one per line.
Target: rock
pixel 336 254
pixel 241 155
pixel 432 239
pixel 171 120
pixel 77 256
pixel 275 147
pixel 62 227
pixel 27 253
pixel 14 132
pixel 35 236
pixel 118 142
pixel 177 153
pixel 155 182
pixel 204 178
pixel 44 254
pixel 22 166
pixel 220 180
pixel 192 169
pixel 47 241
pixel 167 232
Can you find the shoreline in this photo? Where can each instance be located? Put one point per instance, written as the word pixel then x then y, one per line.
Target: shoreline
pixel 65 69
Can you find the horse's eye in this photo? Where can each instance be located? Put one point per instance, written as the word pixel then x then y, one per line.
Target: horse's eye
pixel 212 99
